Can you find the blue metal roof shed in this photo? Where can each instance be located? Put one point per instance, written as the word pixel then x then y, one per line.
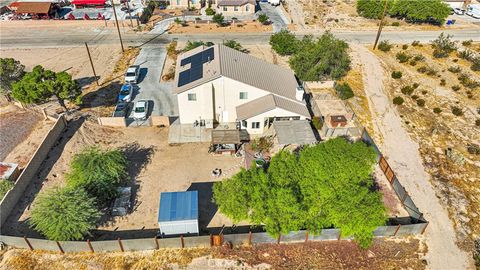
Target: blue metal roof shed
pixel 178 213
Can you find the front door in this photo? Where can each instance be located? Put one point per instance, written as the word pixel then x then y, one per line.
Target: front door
pixel 225 117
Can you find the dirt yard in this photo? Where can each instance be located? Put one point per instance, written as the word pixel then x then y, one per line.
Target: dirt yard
pixel 154 166
pixel 243 27
pixel 314 255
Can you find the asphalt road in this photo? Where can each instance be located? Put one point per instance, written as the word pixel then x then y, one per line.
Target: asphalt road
pixel 25 38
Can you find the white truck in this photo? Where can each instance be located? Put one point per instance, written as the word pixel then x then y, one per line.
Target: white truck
pixel 473 11
pixel 274 2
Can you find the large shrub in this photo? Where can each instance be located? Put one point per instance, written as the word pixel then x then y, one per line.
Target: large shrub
pixel 63 214
pixel 344 91
pixel 5 186
pixel 284 42
pixel 384 46
pixel 372 9
pixel 326 185
pixel 324 58
pixel 443 46
pixel 99 172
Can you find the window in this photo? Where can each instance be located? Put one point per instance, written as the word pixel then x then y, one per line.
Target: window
pixel 235 8
pixel 243 95
pixel 255 125
pixel 224 8
pixel 244 123
pixel 192 97
pixel 178 2
pixel 247 7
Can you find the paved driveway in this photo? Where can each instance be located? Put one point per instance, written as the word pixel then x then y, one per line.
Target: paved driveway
pixel 162 101
pixel 279 20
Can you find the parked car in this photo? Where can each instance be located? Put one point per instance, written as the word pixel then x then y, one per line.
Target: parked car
pixel 459 11
pixel 126 93
pixel 140 110
pixel 121 110
pixel 131 76
pixel 473 11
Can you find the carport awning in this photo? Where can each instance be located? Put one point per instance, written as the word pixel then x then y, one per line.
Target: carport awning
pixel 294 132
pixel 226 136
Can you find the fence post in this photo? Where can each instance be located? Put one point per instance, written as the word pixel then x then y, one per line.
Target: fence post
pixel 156 243
pixel 211 240
pixel 182 241
pixel 250 238
pixel 90 246
pixel 60 247
pixel 306 236
pixel 28 242
pixel 398 228
pixel 425 227
pixel 120 244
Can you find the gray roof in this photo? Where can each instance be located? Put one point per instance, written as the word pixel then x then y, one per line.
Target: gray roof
pixel 235 2
pixel 294 132
pixel 178 206
pixel 268 103
pixel 243 68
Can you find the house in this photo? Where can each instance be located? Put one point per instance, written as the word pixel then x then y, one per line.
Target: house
pixel 219 86
pixel 197 4
pixel 235 7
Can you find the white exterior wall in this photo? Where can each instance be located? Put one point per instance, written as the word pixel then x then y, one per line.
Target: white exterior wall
pixel 241 10
pixel 227 98
pixel 277 112
pixel 179 227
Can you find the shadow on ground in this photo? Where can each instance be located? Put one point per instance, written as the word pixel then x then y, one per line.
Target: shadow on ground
pixel 106 95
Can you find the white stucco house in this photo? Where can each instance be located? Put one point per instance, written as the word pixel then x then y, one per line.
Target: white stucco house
pixel 219 86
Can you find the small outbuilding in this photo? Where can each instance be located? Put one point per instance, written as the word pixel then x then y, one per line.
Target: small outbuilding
pixel 178 213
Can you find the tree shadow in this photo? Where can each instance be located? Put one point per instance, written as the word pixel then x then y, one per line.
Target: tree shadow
pixel 138 158
pixel 85 81
pixel 13 225
pixel 103 96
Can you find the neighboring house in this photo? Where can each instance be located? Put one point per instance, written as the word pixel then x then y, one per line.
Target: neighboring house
pixel 197 4
pixel 221 86
pixel 235 7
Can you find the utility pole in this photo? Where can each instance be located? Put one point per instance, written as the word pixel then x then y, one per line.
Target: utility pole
pixel 91 63
pixel 381 25
pixel 129 12
pixel 118 27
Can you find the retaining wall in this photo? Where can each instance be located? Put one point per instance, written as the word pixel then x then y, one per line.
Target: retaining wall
pixel 12 197
pixel 112 121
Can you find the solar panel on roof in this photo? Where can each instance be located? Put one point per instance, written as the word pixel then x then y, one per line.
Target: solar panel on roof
pixel 196 62
pixel 185 61
pixel 207 55
pixel 184 78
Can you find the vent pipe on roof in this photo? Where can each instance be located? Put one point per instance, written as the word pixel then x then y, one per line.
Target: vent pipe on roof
pixel 299 92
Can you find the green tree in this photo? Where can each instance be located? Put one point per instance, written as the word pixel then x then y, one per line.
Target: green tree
pixel 321 59
pixel 235 45
pixel 326 185
pixel 435 11
pixel 63 214
pixel 263 18
pixel 194 44
pixel 40 84
pixel 218 19
pixel 209 11
pixel 344 90
pixel 11 71
pixel 98 172
pixel 284 42
pixel 372 9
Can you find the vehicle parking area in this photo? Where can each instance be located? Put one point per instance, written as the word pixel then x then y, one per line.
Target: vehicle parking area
pixel 154 166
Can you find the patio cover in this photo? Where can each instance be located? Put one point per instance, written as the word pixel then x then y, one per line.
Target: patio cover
pixel 33 7
pixel 228 136
pixel 89 2
pixel 294 132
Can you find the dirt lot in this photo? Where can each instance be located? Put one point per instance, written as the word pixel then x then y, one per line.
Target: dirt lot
pixel 243 27
pixel 456 177
pixel 314 255
pixel 154 165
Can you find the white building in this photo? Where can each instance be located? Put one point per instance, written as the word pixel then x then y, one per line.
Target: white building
pixel 219 86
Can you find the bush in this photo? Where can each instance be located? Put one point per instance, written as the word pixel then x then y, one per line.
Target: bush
pixel 415 43
pixel 404 46
pixel 262 144
pixel 192 45
pixel 419 58
pixel 98 172
pixel 431 71
pixel 467 43
pixel 475 64
pixel 172 49
pixel 467 81
pixel 437 110
pixel 64 214
pixel 415 97
pixel 5 186
pixel 384 46
pixel 477 122
pixel 457 111
pixel 420 102
pixel 424 92
pixel 466 54
pixel 235 45
pixel 402 57
pixel 398 100
pixel 396 24
pixel 218 19
pixel 455 69
pixel 396 74
pixel 263 18
pixel 422 69
pixel 284 43
pixel 473 149
pixel 443 82
pixel 443 46
pixel 317 122
pixel 415 85
pixel 407 90
pixel 456 88
pixel 344 91
pixel 209 11
pixel 412 63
